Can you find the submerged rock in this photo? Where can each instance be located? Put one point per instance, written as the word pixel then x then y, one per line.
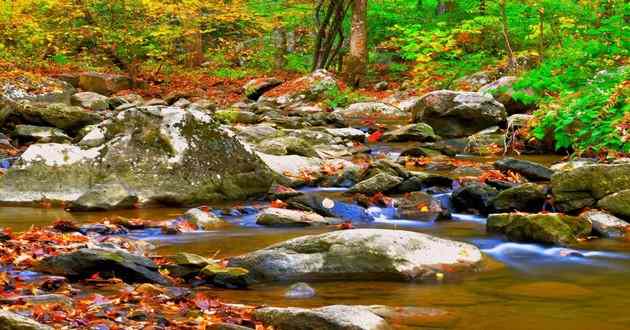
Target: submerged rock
pixel 165 155
pixel 276 217
pixel 300 291
pixel 13 321
pixel 418 206
pixel 202 219
pixel 226 277
pixel 335 317
pixel 83 263
pixel 546 228
pixel 605 224
pixel 532 171
pixel 458 114
pixel 360 254
pixel 330 208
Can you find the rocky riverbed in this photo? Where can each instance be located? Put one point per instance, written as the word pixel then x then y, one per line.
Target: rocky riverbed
pixel 376 206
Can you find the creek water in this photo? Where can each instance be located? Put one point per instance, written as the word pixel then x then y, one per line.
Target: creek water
pixel 525 286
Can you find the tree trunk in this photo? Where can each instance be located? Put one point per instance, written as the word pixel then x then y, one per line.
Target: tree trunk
pixel 506 35
pixel 280 43
pixel 356 62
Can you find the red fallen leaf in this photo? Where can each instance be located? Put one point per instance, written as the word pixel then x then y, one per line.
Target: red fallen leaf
pixel 95 276
pixel 278 204
pixel 201 301
pixel 345 225
pixel 204 208
pixel 375 137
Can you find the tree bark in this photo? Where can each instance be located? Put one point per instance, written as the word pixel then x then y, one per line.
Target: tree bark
pixel 356 62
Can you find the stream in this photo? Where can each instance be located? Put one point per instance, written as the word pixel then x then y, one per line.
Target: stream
pixel 527 286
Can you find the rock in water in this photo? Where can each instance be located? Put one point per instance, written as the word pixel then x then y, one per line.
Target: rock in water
pixel 420 132
pixel 276 217
pixel 418 205
pixel 105 196
pixel 617 203
pixel 583 186
pixel 474 197
pixel 13 321
pixel 605 224
pixel 359 254
pixel 336 317
pixel 458 114
pixel 546 228
pixel 86 262
pixel 202 219
pixel 528 197
pixel 381 182
pixel 165 155
pixel 300 291
pixel 532 171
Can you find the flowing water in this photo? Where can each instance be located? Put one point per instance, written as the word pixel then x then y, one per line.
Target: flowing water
pixel 526 286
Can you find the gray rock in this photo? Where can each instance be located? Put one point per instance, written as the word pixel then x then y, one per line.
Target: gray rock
pixel 258 132
pixel 308 88
pixel 105 196
pixel 617 203
pixel 300 290
pixel 371 110
pixel 546 228
pixel 347 133
pixel 381 86
pixel 381 182
pixel 335 317
pixel 202 219
pixel 287 145
pixel 13 321
pixel 420 132
pixel 59 115
pixel 458 114
pixel 86 262
pixel 276 217
pixel 182 103
pixel 41 134
pixel 42 89
pixel 237 116
pixel 91 100
pixel 605 224
pixel 94 137
pixel 532 171
pixel 165 155
pixel 361 254
pixel 288 169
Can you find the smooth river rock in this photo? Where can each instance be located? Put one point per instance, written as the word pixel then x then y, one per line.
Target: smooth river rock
pixel 546 228
pixel 605 224
pixel 359 254
pixel 335 317
pixel 13 321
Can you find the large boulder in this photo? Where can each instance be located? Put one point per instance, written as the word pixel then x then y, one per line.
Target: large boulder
pixel 59 115
pixel 13 321
pixel 103 83
pixel 372 110
pixel 458 114
pixel 276 217
pixel 531 170
pixel 335 317
pixel 166 155
pixel 546 228
pixel 84 263
pixel 605 224
pixel 583 186
pixel 36 89
pixel 360 254
pixel 503 91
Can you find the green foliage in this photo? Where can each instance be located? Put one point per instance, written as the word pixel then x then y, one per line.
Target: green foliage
pixel 337 98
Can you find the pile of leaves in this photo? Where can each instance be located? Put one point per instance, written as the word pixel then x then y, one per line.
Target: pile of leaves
pixel 98 303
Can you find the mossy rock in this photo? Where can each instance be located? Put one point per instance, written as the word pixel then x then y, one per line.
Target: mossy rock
pixel 547 228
